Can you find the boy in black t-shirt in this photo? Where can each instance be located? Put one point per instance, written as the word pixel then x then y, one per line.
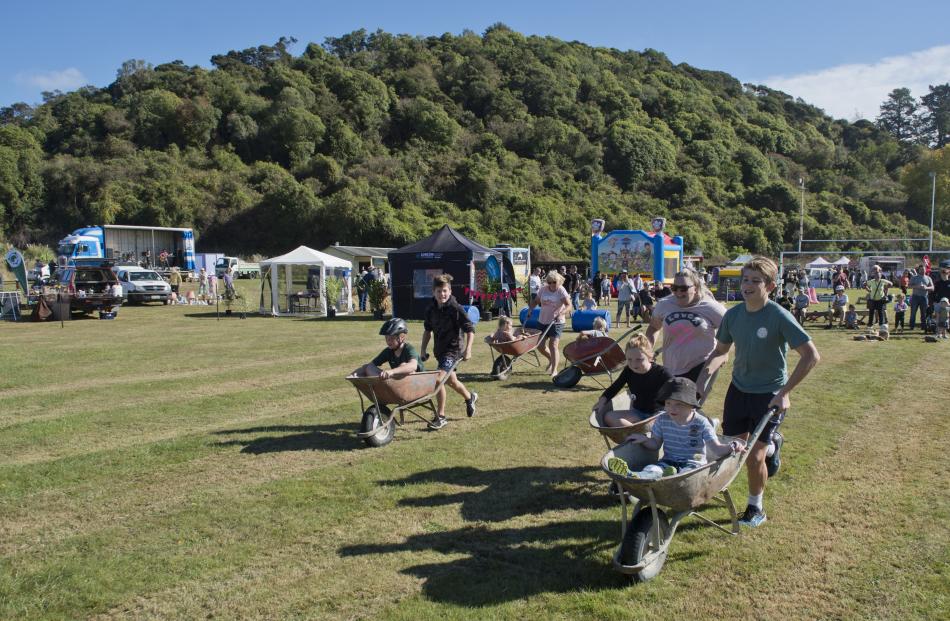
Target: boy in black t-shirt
pixel 446 321
pixel 402 357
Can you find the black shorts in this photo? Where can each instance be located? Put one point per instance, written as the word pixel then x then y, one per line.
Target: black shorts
pixel 742 411
pixel 447 360
pixel 693 373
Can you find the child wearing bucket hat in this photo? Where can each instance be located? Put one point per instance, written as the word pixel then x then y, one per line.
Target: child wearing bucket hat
pixel 685 435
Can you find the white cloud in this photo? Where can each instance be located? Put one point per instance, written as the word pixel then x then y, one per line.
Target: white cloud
pixel 64 80
pixel 857 91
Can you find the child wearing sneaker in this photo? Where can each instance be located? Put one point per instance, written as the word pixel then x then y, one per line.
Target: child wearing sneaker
pixel 446 320
pixel 762 332
pixel 684 434
pixel 642 377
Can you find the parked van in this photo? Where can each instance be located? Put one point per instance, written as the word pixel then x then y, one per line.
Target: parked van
pixel 142 285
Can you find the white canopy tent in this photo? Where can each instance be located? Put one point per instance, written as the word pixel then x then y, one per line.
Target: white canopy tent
pixel 290 302
pixel 842 261
pixel 818 263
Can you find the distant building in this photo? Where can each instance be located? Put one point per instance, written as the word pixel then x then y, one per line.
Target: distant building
pixel 361 256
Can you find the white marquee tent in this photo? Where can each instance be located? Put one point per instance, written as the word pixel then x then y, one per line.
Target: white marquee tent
pixel 842 261
pixel 818 263
pixel 290 302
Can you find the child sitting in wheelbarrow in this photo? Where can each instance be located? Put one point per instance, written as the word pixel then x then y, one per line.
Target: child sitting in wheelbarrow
pixel 643 378
pixel 684 434
pixel 402 357
pixel 505 332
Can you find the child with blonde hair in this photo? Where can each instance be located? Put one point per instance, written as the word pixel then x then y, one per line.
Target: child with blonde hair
pixel 505 332
pixel 600 328
pixel 643 378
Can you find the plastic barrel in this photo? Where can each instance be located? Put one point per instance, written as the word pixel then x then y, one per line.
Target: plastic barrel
pixel 531 322
pixel 584 319
pixel 474 315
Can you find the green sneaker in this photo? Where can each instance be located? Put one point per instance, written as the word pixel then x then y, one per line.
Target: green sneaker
pixel 619 466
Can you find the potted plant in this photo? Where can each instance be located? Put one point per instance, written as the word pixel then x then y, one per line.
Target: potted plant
pixel 334 288
pixel 488 304
pixel 377 293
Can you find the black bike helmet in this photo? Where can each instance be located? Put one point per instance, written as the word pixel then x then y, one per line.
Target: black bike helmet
pixel 393 327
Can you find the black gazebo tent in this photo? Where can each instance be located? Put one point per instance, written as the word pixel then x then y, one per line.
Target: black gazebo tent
pixel 412 268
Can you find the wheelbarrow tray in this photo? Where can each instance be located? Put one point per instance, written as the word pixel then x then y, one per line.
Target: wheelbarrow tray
pixel 684 491
pixel 397 391
pixel 599 354
pixel 619 434
pixel 518 347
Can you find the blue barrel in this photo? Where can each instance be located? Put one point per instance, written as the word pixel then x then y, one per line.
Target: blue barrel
pixel 474 315
pixel 584 319
pixel 533 321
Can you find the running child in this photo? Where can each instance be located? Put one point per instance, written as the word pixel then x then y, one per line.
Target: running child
pixel 762 332
pixel 446 320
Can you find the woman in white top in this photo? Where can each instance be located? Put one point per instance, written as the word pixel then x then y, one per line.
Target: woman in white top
pixel 555 302
pixel 689 319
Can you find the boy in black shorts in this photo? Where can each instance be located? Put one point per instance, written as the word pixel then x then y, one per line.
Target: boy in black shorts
pixel 762 332
pixel 447 321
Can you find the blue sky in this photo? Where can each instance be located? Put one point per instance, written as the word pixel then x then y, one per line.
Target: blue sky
pixel 842 55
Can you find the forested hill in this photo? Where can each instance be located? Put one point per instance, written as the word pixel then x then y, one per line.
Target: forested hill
pixel 379 139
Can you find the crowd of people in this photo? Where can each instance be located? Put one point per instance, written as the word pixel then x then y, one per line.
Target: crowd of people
pixel 698 336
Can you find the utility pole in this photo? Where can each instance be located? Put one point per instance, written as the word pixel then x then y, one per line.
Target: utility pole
pixel 801 222
pixel 933 203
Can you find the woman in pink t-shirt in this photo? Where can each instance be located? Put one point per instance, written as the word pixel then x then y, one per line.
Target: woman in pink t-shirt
pixel 555 301
pixel 689 319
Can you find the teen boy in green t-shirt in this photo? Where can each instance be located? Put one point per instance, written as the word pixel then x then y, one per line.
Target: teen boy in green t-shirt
pixel 762 332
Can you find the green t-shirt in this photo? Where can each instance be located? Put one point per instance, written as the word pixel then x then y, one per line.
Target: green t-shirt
pixel 408 353
pixel 762 340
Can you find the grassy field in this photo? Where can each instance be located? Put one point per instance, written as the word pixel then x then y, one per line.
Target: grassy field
pixel 169 465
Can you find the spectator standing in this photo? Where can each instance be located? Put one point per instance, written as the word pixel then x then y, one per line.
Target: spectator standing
pixel 202 283
pixel 174 279
pixel 534 284
pixel 922 286
pixel 605 290
pixel 625 294
pixel 362 289
pixel 572 284
pixel 877 287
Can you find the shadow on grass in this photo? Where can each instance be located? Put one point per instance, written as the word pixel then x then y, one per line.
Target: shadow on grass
pixel 335 437
pixel 503 565
pixel 499 495
pixel 235 314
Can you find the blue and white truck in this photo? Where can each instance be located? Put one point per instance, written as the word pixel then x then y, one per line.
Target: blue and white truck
pixel 157 247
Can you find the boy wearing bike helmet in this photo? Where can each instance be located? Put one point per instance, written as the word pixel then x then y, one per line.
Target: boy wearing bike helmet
pixel 402 357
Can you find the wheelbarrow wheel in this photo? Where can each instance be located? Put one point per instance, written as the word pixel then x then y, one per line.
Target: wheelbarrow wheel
pixel 636 544
pixel 568 378
pixel 373 420
pixel 501 368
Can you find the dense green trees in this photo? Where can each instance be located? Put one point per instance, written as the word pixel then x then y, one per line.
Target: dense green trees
pixel 378 139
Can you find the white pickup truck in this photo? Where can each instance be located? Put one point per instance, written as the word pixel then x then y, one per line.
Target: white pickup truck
pixel 239 268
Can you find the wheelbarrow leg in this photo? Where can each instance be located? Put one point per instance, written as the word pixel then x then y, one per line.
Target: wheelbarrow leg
pixel 732 510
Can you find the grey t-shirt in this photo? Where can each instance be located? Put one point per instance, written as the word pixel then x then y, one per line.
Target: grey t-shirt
pixel 689 334
pixel 919 282
pixel 762 340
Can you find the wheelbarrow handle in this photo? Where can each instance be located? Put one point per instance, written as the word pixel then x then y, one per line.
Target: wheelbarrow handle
pixel 753 437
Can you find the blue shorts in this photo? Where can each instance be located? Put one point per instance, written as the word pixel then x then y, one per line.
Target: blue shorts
pixel 555 332
pixel 447 361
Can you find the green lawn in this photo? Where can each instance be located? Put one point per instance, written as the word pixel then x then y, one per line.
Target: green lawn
pixel 170 465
